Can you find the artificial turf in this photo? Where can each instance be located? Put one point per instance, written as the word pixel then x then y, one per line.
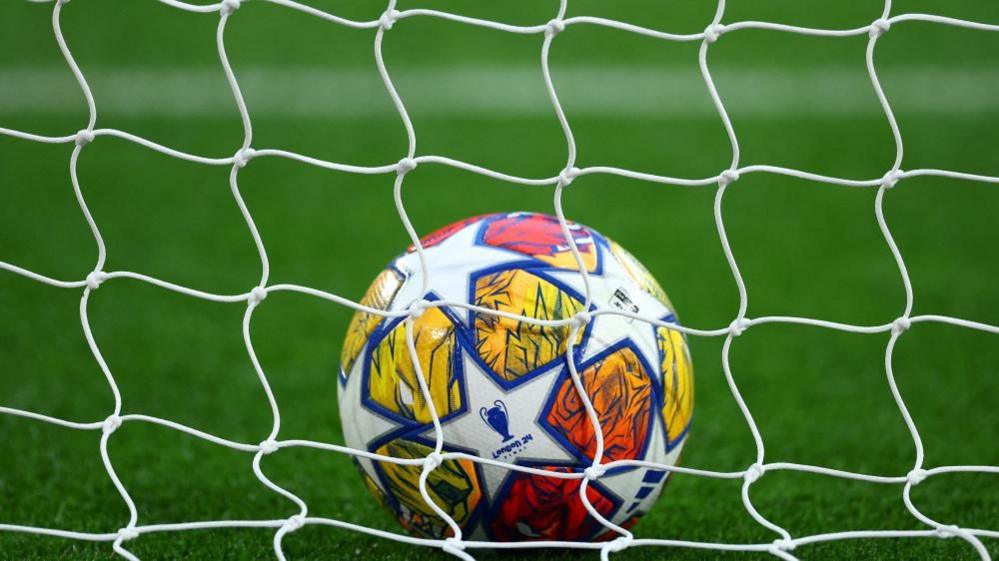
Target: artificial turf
pixel 819 396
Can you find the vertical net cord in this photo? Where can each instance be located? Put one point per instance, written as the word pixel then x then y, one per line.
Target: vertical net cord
pixel 455 545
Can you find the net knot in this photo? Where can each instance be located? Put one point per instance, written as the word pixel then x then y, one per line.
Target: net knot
pixel 84 137
pixel 111 424
pixel 727 177
pixel 269 446
pixel 405 166
pixel 891 178
pixel 417 308
pixel 453 544
pixel 754 473
pixel 879 27
pixel 243 156
pixel 229 6
pixel 618 544
pixel 783 544
pixel 293 523
pixel 257 295
pixel 947 531
pixel 433 461
pixel 594 472
pixel 566 176
pixel 580 320
pixel 916 476
pixel 738 327
pixel 95 279
pixel 713 32
pixel 127 533
pixel 388 19
pixel 901 325
pixel 554 27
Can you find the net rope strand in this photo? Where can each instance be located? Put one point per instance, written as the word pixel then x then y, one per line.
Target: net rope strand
pixel 783 544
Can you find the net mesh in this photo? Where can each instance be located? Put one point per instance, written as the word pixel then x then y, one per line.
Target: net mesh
pixel 784 543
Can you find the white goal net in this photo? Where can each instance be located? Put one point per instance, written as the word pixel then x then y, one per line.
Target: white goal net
pixel 783 544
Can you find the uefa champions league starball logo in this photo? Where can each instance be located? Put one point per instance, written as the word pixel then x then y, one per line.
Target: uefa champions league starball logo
pixel 497 418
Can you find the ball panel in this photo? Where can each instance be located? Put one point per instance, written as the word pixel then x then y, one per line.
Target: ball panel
pixel 372 486
pixel 379 296
pixel 510 348
pixel 540 236
pixel 453 486
pixel 441 234
pixel 640 274
pixel 391 379
pixel 537 507
pixel 620 389
pixel 678 384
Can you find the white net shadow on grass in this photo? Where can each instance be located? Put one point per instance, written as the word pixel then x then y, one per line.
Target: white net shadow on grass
pixel 784 543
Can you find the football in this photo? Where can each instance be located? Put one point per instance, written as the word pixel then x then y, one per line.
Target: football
pixel 502 388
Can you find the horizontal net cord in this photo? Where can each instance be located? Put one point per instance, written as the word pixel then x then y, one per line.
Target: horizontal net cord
pixel 712 181
pixel 455 545
pixel 550 544
pixel 270 446
pixel 244 155
pixel 259 293
pixel 620 25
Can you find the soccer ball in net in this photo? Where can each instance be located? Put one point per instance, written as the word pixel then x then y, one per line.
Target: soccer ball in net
pixel 502 389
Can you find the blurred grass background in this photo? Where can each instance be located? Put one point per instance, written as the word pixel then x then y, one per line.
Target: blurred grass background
pixel 809 249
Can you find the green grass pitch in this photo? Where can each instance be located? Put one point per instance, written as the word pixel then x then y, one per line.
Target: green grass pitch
pixel 810 249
